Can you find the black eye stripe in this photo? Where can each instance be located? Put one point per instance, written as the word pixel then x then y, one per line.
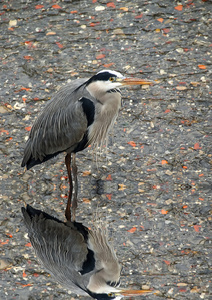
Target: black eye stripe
pixel 102 76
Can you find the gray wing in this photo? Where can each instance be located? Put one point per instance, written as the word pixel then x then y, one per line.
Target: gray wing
pixel 60 248
pixel 61 125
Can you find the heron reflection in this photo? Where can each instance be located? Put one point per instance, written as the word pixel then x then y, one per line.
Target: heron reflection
pixel 79 258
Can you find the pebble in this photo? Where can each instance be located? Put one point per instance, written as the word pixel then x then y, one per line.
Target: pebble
pixel 99 8
pixel 5 263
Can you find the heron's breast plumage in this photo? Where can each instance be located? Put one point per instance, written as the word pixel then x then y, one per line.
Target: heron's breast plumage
pixel 106 113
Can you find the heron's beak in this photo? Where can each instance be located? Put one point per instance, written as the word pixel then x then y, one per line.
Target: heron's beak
pixel 131 293
pixel 133 81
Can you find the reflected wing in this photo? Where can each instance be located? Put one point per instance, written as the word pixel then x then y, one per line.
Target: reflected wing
pixel 60 247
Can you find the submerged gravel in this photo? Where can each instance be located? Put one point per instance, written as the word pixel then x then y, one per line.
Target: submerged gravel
pixel 154 187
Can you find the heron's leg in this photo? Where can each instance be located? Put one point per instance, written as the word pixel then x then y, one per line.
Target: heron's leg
pixel 74 201
pixel 68 206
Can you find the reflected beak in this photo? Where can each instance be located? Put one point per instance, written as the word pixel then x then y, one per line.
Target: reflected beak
pixel 130 293
pixel 134 81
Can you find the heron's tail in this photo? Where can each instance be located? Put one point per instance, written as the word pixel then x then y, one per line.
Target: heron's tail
pixel 29 212
pixel 29 161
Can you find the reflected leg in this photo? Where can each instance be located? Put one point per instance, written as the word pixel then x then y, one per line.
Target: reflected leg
pixel 68 206
pixel 74 201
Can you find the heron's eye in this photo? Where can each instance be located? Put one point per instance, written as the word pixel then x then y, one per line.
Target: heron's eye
pixel 111 295
pixel 112 78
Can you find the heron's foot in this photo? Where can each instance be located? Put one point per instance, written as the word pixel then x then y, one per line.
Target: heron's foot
pixel 68 214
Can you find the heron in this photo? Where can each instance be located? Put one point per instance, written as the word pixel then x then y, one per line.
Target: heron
pixel 78 258
pixel 80 114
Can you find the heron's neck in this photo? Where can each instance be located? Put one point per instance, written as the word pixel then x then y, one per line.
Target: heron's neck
pixel 106 113
pixel 97 283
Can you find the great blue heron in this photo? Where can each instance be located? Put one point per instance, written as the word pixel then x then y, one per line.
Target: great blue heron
pixel 80 114
pixel 78 258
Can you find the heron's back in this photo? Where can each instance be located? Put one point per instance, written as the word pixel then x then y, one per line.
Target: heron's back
pixel 60 247
pixel 60 126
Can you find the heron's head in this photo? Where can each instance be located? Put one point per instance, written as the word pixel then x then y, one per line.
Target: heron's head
pixel 118 293
pixel 107 81
pixel 110 290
